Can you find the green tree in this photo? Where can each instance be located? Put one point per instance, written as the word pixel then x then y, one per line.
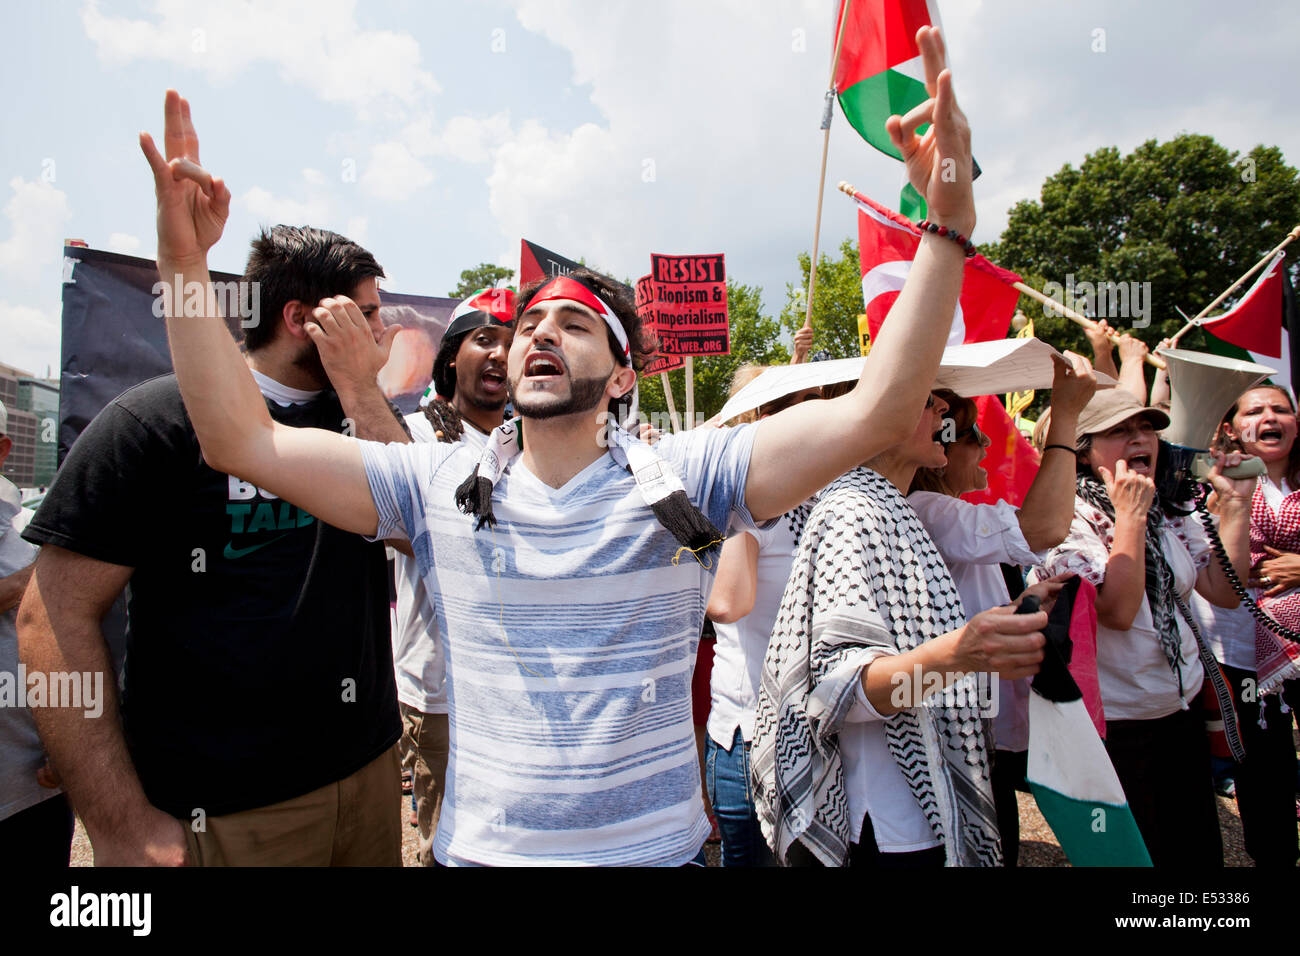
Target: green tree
pixel 483 276
pixel 1187 216
pixel 837 301
pixel 754 338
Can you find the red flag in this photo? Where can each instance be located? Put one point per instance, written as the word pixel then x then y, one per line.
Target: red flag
pixel 887 244
pixel 1255 323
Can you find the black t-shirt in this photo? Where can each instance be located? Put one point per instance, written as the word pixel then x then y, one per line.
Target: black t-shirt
pixel 258 659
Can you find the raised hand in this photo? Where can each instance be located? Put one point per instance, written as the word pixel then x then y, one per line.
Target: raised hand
pixel 1130 493
pixel 346 343
pixel 939 162
pixel 1232 492
pixel 1098 337
pixel 1131 348
pixel 193 205
pixel 803 340
pixel 1073 385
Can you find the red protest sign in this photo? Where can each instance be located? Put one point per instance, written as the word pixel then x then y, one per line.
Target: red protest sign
pixel 645 295
pixel 689 302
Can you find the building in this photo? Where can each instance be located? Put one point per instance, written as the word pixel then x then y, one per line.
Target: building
pixel 33 407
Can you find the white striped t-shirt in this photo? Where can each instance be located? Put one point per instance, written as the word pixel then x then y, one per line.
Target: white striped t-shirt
pixel 570 639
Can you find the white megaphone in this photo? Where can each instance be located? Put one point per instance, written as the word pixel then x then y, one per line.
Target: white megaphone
pixel 1203 388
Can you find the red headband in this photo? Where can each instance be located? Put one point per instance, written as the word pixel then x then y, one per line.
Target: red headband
pixel 562 287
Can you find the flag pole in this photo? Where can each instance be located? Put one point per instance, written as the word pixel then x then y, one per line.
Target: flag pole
pixel 690 392
pixel 821 183
pixel 672 408
pixel 1268 256
pixel 1033 293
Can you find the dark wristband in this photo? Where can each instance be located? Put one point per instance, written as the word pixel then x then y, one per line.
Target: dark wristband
pixel 1072 451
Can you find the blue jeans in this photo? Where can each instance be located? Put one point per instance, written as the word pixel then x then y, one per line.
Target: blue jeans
pixel 727 775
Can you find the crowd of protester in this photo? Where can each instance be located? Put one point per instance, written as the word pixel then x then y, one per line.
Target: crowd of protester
pixel 554 580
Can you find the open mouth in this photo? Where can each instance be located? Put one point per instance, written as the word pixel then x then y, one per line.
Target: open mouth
pixel 493 380
pixel 543 365
pixel 1140 462
pixel 1269 434
pixel 937 437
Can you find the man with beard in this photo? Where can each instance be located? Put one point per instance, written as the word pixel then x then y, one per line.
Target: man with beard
pixel 469 385
pixel 569 570
pixel 258 713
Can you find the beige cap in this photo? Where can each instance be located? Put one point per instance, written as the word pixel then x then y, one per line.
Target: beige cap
pixel 1111 406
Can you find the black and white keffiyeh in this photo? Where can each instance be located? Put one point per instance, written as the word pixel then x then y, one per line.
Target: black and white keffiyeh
pixel 865 558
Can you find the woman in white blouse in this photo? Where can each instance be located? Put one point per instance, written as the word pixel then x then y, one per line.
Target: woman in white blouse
pixel 1144 562
pixel 976 539
pixel 1262 422
pixel 868 747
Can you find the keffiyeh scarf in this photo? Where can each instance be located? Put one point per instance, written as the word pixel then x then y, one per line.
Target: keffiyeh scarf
pixel 1159 576
pixel 864 550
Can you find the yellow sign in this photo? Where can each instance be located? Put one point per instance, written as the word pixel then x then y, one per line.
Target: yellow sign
pixel 1017 402
pixel 864 334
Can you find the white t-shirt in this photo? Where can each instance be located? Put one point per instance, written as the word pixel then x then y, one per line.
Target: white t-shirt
pixel 974 540
pixel 1136 680
pixel 876 787
pixel 570 635
pixel 417 651
pixel 280 393
pixel 738 653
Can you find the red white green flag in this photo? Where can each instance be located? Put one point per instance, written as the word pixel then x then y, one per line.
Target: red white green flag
pixel 880 72
pixel 1257 328
pixel 887 244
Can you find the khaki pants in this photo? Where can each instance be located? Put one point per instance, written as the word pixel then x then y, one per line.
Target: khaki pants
pixel 350 822
pixel 425 740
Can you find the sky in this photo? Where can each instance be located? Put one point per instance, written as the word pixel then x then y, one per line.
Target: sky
pixel 438 134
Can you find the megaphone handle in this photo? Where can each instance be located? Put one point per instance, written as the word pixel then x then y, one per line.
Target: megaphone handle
pixel 1249 468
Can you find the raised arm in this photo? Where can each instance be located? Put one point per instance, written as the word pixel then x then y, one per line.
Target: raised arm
pixel 801 449
pixel 317 470
pixel 1234 500
pixel 1048 507
pixel 1132 366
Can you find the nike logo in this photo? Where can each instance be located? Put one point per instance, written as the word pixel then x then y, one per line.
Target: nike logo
pixel 231 552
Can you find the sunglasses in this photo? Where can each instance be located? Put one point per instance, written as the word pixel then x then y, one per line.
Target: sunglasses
pixel 973 435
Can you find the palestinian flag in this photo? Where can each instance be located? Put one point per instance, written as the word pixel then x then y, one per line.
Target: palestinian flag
pixel 538 263
pixel 1069 771
pixel 887 244
pixel 880 72
pixel 1259 327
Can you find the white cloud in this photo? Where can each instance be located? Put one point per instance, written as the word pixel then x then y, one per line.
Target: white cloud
pixel 30 337
pixel 319 46
pixel 271 209
pixel 124 242
pixel 709 130
pixel 469 138
pixel 37 213
pixel 394 173
pixel 357 228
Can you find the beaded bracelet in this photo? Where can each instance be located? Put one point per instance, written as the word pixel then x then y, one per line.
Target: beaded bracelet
pixel 1072 451
pixel 946 233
